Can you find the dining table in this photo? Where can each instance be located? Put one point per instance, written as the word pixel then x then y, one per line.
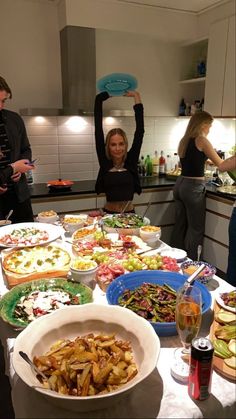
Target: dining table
pixel 158 396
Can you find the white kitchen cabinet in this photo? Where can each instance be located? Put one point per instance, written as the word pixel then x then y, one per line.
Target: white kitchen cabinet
pixel 229 97
pixel 215 246
pixel 220 77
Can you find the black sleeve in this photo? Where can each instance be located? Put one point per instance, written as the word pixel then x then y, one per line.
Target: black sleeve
pixel 138 135
pixel 99 134
pixel 5 174
pixel 25 149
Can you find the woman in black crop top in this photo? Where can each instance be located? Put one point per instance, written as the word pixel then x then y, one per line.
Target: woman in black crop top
pixel 118 174
pixel 189 190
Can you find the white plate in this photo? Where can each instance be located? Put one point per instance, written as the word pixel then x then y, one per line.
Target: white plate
pixel 175 253
pixel 53 231
pixel 221 302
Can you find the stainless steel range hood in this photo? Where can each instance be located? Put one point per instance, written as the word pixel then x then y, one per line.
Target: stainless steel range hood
pixel 78 71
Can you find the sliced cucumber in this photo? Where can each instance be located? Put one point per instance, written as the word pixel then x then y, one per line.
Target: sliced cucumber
pixel 231 362
pixel 232 346
pixel 224 316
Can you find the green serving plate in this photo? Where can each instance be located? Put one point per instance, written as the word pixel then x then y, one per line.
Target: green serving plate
pixel 12 297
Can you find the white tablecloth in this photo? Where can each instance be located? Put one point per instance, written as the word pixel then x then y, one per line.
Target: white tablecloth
pixel 160 396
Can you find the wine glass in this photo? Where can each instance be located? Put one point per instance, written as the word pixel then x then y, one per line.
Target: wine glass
pixel 188 316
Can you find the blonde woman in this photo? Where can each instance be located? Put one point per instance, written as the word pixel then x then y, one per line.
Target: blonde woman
pixel 189 190
pixel 118 175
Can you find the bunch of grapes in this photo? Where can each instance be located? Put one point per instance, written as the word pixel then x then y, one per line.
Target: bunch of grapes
pixel 153 262
pixel 100 257
pixel 133 264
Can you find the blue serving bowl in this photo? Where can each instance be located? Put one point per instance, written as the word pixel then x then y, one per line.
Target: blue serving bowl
pixel 173 279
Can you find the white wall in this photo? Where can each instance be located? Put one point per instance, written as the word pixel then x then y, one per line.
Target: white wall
pixel 155 64
pixel 30 53
pixel 106 14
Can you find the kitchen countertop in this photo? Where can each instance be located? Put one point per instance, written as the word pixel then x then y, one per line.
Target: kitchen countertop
pixel 40 190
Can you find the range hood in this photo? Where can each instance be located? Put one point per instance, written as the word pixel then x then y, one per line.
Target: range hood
pixel 78 71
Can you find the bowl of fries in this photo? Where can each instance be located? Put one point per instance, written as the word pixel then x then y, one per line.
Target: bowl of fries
pixel 91 357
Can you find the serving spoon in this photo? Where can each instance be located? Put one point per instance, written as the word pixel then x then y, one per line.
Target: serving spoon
pixel 36 369
pixel 9 214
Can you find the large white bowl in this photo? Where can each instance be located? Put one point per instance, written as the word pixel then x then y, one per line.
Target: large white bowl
pixel 150 233
pixel 73 321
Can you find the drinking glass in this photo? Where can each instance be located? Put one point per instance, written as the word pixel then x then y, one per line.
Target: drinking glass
pixel 188 315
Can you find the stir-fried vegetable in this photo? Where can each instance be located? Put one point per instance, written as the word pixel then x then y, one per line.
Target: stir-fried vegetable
pixel 153 302
pixel 229 298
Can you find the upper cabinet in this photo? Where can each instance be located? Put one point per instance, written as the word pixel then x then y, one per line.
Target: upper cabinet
pixel 220 78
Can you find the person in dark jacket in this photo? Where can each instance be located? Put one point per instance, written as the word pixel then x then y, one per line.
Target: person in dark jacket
pixel 14 146
pixel 118 174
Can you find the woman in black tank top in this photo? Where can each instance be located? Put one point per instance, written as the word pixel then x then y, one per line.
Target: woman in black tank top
pixel 189 190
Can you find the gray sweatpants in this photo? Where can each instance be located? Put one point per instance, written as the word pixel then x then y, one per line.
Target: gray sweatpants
pixel 190 212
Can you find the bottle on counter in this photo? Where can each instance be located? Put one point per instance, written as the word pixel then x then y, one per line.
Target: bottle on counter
pixel 182 107
pixel 148 164
pixel 168 163
pixel 155 164
pixel 142 167
pixel 162 165
pixel 175 160
pixel 29 177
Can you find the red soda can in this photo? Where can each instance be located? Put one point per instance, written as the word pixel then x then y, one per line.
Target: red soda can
pixel 199 384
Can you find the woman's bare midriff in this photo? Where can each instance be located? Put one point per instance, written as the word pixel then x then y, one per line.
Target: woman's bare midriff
pixel 190 177
pixel 118 206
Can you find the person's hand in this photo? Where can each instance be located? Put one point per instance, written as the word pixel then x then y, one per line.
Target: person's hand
pixel 22 166
pixel 16 177
pixel 3 189
pixel 134 94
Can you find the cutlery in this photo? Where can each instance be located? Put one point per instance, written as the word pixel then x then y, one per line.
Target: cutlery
pixel 124 208
pixel 36 370
pixel 9 214
pixel 146 210
pixel 189 281
pixel 199 251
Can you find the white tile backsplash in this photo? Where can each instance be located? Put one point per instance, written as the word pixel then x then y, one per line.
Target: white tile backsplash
pixel 65 145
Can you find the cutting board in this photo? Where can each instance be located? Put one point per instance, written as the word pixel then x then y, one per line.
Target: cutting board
pixel 218 363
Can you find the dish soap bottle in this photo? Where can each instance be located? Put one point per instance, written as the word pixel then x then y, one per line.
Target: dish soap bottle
pixel 155 164
pixel 148 164
pixel 162 164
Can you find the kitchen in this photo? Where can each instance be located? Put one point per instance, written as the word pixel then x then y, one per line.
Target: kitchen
pixel 128 36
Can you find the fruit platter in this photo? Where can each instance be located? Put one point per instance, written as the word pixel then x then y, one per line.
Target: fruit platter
pixel 117 254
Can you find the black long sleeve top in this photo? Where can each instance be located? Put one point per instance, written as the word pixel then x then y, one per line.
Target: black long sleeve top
pixel 20 149
pixel 131 162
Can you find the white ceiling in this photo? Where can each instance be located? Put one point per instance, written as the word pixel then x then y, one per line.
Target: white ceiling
pixel 192 6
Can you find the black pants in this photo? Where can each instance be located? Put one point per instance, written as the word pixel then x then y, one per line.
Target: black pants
pixel 22 211
pixel 190 203
pixel 6 409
